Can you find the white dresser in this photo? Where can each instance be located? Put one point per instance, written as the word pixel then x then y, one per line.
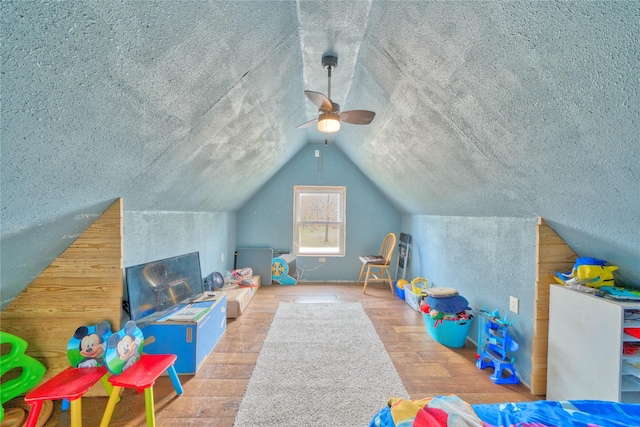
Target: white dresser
pixel 585 353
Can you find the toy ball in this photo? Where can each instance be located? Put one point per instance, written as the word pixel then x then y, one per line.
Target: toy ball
pixel 401 283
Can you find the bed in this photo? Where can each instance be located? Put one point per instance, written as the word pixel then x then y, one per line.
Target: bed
pixel 453 411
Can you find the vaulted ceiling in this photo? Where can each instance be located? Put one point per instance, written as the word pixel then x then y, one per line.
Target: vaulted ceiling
pixel 482 108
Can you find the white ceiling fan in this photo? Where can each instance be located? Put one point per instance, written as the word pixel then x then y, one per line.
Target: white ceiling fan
pixel 329 115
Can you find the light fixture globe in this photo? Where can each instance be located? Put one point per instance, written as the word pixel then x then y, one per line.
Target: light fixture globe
pixel 329 122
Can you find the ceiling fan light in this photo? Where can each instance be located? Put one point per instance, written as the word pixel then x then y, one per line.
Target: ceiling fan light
pixel 329 123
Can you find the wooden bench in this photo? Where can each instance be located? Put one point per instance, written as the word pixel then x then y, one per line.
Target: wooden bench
pixel 238 299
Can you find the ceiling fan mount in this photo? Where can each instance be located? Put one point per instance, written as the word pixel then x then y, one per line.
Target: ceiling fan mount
pixel 329 62
pixel 329 115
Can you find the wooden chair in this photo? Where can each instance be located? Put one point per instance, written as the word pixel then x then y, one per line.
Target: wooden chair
pixel 379 263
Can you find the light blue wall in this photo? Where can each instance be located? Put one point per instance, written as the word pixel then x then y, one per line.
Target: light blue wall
pixel 150 236
pixel 267 219
pixel 487 260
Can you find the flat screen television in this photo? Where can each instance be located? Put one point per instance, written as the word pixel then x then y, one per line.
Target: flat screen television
pixel 157 288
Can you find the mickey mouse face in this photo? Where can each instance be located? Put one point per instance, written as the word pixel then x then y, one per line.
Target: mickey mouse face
pixel 90 346
pixel 127 347
pixel 124 348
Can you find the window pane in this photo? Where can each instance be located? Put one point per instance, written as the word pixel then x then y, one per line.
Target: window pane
pixel 319 238
pixel 319 207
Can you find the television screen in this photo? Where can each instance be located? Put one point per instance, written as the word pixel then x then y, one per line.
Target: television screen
pixel 157 288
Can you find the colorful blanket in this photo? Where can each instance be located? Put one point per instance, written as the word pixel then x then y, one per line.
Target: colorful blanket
pixel 547 413
pixel 453 411
pixel 433 411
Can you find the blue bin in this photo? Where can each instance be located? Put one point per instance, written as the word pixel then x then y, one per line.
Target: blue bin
pixel 452 333
pixel 399 292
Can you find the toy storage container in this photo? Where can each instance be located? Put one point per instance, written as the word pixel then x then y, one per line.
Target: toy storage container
pixel 399 290
pixel 414 300
pixel 452 333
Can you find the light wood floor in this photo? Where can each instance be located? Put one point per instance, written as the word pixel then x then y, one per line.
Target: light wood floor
pixel 211 397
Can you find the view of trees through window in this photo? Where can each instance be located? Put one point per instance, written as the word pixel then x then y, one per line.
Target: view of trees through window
pixel 319 221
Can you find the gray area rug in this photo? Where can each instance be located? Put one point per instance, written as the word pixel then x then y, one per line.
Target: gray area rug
pixel 320 365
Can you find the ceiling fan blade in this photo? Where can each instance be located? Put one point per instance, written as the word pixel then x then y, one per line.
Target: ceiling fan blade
pixel 323 103
pixel 357 117
pixel 307 124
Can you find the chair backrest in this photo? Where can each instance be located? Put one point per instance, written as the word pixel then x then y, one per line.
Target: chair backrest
pixel 387 247
pixel 124 348
pixel 87 347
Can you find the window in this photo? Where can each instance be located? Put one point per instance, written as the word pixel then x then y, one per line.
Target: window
pixel 319 221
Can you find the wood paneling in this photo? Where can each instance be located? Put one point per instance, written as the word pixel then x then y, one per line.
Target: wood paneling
pixel 81 287
pixel 552 254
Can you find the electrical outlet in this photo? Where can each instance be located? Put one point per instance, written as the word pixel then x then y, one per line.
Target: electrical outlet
pixel 322 260
pixel 514 304
pixel 222 257
pixel 317 153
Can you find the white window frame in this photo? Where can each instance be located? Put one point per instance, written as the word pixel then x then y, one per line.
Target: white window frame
pixel 300 190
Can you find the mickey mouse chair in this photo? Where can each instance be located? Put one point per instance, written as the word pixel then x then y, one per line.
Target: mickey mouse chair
pixel 85 351
pixel 94 352
pixel 132 369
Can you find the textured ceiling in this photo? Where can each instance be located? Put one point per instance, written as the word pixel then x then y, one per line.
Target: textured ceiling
pixel 483 108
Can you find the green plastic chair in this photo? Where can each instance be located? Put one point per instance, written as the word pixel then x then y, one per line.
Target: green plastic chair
pixel 32 369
